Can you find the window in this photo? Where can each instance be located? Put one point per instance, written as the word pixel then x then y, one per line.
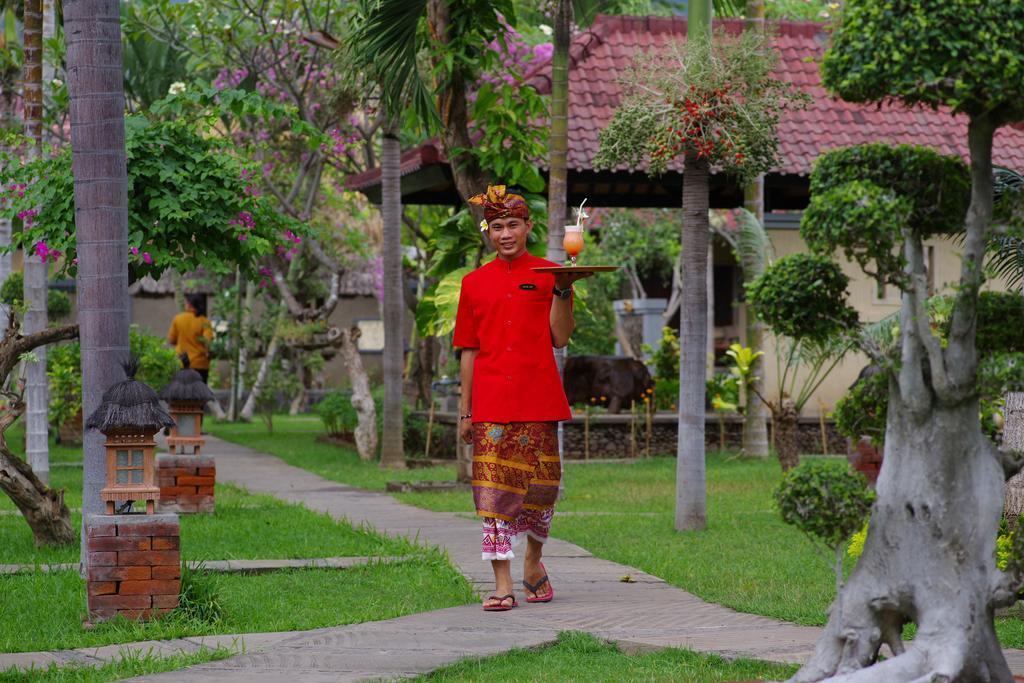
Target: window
pixel 186 424
pixel 129 466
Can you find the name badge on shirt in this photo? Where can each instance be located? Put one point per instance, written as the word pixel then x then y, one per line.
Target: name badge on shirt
pixel 527 286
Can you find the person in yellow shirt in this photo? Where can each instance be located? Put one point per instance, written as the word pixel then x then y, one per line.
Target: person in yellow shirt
pixel 191 333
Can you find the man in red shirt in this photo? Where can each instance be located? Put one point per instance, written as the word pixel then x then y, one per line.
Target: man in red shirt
pixel 509 318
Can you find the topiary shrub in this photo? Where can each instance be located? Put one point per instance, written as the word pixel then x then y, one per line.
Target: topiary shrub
pixel 861 412
pixel 803 296
pixel 828 502
pixel 825 500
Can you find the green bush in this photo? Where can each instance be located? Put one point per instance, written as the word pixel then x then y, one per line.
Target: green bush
pixel 666 357
pixel 803 296
pixel 861 412
pixel 336 412
pixel 58 303
pixel 826 500
pixel 157 363
pixel 1000 321
pixel 931 188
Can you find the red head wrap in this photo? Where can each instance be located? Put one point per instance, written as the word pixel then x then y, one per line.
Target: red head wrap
pixel 498 204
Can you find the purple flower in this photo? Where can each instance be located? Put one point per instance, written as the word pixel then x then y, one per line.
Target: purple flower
pixel 146 258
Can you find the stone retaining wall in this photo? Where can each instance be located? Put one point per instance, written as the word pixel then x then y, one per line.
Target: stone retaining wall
pixel 609 435
pixel 133 565
pixel 186 483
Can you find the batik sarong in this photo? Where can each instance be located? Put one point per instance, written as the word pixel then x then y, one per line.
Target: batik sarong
pixel 516 472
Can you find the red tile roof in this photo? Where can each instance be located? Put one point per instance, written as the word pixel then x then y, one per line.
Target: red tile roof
pixel 599 55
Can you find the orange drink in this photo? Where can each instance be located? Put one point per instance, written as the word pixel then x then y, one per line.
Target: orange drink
pixel 573 242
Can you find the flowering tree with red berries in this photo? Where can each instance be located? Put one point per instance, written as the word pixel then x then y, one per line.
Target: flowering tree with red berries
pixel 703 105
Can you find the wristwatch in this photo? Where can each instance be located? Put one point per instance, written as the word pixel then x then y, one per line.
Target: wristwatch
pixel 562 293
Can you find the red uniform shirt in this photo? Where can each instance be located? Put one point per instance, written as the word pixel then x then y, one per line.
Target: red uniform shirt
pixel 505 312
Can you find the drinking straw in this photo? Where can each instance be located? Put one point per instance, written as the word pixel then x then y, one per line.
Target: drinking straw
pixel 579 213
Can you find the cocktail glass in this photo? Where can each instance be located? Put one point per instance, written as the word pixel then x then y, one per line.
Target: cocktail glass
pixel 572 242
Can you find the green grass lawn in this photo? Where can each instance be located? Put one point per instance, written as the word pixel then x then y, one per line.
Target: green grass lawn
pixel 246 526
pixel 127 666
pixel 581 657
pixel 746 559
pixel 294 441
pixel 44 611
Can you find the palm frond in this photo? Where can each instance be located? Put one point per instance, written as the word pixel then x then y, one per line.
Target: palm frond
pixel 386 41
pixel 1005 179
pixel 1006 259
pixel 754 248
pixel 882 333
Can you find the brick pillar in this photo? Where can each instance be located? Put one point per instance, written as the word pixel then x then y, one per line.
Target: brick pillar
pixel 186 483
pixel 133 565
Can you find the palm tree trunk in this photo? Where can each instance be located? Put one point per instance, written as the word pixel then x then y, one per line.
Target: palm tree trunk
pixel 755 413
pixel 37 395
pixel 557 155
pixel 691 487
pixel 392 454
pixel 96 88
pixel 691 493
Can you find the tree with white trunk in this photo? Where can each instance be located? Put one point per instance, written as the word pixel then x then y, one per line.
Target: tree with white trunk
pixel 929 557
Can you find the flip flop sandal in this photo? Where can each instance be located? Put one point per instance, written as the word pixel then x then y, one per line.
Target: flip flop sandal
pixel 547 597
pixel 500 607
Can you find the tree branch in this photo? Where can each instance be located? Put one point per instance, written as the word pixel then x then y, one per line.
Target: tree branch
pixel 961 349
pixel 14 344
pixel 918 337
pixel 414 227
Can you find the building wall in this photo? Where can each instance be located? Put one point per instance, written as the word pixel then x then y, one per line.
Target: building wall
pixel 864 297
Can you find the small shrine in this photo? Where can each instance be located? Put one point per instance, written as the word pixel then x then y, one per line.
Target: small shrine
pixel 186 394
pixel 129 417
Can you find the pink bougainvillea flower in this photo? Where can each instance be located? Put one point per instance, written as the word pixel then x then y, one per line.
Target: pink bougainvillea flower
pixel 147 258
pixel 42 251
pixel 135 251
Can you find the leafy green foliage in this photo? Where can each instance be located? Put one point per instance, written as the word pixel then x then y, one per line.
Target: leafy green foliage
pixel 803 296
pixel 157 363
pixel 864 197
pixel 190 201
pixel 666 356
pixel 509 142
pixel 723 390
pixel 717 102
pixel 826 500
pixel 862 219
pixel 862 411
pixel 58 303
pixel 1000 320
pixel 336 412
pixel 964 54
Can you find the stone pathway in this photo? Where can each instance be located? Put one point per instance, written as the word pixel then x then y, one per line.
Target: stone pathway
pixel 589 597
